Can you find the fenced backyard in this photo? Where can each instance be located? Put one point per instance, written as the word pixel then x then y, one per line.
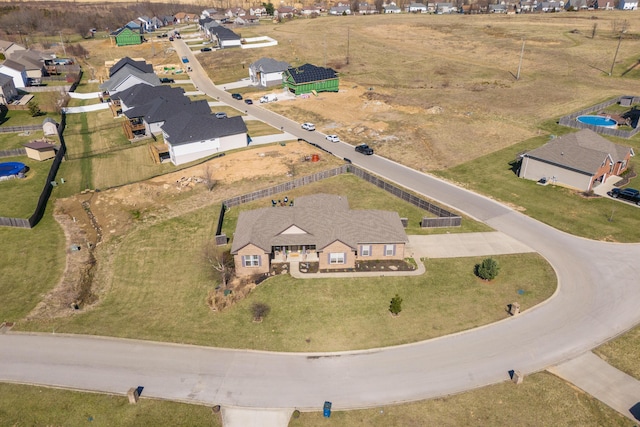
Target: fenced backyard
pixel 571 121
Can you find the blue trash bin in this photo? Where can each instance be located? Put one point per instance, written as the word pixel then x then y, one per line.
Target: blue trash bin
pixel 327 409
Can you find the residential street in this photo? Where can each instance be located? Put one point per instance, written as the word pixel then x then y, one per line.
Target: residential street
pixel 597 299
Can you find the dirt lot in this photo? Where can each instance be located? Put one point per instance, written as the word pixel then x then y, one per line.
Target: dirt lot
pixel 94 222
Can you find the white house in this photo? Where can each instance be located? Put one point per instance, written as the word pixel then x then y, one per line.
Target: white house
pixel 391 8
pixel 417 8
pixel 8 90
pixel 267 72
pixel 192 137
pixel 442 8
pixel 16 71
pixel 628 5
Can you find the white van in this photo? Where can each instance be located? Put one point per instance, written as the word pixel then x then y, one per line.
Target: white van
pixel 268 98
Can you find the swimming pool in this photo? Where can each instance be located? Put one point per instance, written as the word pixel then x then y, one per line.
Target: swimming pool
pixel 598 121
pixel 11 168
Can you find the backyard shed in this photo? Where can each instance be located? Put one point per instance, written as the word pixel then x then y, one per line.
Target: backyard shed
pixel 308 78
pixel 49 126
pixel 40 150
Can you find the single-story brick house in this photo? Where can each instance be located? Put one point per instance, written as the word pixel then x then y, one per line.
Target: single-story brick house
pixel 318 228
pixel 578 160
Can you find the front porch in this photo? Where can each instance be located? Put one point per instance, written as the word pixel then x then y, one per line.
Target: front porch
pixel 294 253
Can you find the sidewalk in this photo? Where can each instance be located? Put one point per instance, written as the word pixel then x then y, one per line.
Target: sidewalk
pixel 604 382
pixel 248 417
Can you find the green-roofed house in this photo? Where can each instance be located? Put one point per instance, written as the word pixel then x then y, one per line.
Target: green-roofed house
pixel 125 36
pixel 308 78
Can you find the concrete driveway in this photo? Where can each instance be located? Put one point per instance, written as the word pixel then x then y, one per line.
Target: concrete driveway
pixel 457 245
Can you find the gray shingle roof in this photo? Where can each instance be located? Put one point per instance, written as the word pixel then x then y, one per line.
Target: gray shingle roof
pixel 139 65
pixel 13 65
pixel 324 218
pixel 142 94
pixel 184 127
pixel 223 33
pixel 582 151
pixel 124 73
pixel 269 65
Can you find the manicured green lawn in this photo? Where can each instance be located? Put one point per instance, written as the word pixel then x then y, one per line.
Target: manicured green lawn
pixel 9 141
pixel 19 197
pixel 23 405
pixel 258 128
pixel 31 263
pixel 541 400
pixel 24 118
pixel 567 210
pixel 160 285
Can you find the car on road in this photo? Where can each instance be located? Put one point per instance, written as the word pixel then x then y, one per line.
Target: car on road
pixel 236 96
pixel 221 115
pixel 364 149
pixel 205 49
pixel 308 126
pixel 170 39
pixel 630 194
pixel 332 138
pixel 248 101
pixel 185 59
pixel 167 80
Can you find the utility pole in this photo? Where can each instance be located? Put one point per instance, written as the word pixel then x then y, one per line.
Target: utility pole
pixel 616 55
pixel 347 45
pixel 520 64
pixel 61 41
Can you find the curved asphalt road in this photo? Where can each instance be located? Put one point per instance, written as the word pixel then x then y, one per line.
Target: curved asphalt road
pixel 597 299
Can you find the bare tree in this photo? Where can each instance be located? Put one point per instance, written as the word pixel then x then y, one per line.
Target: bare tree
pixel 219 259
pixel 259 311
pixel 208 178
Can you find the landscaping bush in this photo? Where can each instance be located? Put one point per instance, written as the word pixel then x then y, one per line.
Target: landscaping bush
pixel 396 305
pixel 259 311
pixel 488 269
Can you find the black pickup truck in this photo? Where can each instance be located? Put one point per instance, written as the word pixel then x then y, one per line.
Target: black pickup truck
pixel 630 194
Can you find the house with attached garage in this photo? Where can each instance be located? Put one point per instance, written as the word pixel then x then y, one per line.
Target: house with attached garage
pixel 417 8
pixel 190 137
pixel 126 74
pixel 318 228
pixel 579 160
pixel 148 107
pixel 33 63
pixel 267 72
pixel 224 37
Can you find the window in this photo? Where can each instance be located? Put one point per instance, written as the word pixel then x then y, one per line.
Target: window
pixel 389 250
pixel 251 261
pixel 365 250
pixel 336 258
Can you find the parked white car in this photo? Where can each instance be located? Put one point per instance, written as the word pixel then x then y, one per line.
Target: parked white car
pixel 332 138
pixel 308 126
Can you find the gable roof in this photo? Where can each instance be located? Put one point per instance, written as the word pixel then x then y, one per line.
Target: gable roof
pixel 310 73
pixel 139 65
pixel 582 151
pixel 129 72
pixel 224 33
pixel 269 65
pixel 161 109
pixel 184 127
pixel 141 94
pixel 322 218
pixel 9 63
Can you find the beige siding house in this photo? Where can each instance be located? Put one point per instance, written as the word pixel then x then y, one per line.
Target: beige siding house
pixel 319 228
pixel 579 160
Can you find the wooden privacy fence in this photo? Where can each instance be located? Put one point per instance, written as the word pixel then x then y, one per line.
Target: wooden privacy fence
pixel 46 191
pixel 444 218
pixel 13 152
pixel 571 121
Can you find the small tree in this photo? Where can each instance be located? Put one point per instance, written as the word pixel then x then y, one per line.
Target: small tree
pixel 259 311
pixel 220 260
pixel 396 305
pixel 488 269
pixel 209 179
pixel 34 109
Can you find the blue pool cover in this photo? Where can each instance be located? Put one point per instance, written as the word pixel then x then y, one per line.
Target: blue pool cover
pixel 11 168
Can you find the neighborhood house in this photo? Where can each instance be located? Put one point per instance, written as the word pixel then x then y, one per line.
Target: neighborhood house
pixel 578 160
pixel 308 78
pixel 318 228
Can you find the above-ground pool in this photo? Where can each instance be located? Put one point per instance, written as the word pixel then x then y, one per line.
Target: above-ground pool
pixel 598 121
pixel 11 168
